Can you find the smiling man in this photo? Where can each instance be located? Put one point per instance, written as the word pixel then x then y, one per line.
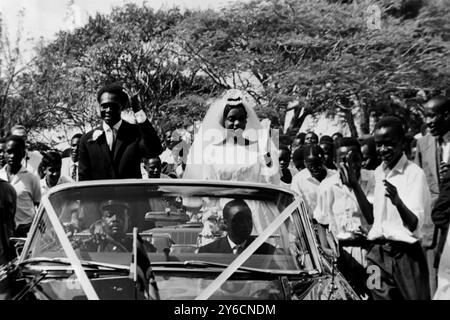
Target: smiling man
pixel 401 201
pixel 115 149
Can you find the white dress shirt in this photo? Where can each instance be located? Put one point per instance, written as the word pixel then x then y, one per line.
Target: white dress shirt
pixel 111 133
pixel 167 156
pixel 445 145
pixel 307 186
pixel 412 188
pixel 234 247
pixel 338 207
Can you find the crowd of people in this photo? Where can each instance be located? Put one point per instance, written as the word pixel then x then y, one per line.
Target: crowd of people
pixel 384 198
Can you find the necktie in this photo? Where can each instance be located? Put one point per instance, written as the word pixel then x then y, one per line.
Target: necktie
pixel 440 150
pixel 238 249
pixel 439 158
pixel 111 138
pixel 75 172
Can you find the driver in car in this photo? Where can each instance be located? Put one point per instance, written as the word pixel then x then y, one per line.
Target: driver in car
pixel 109 234
pixel 238 222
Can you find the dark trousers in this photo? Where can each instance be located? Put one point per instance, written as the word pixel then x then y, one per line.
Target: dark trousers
pixel 354 272
pixel 403 271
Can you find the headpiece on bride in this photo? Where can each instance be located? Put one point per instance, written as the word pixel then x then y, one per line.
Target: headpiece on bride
pixel 213 132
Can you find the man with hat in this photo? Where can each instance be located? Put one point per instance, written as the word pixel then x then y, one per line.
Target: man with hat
pixel 109 234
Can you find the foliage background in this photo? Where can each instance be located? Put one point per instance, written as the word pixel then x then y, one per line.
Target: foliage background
pixel 319 54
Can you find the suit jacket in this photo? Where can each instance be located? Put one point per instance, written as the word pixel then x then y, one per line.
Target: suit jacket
pixel 441 210
pixel 222 245
pixel 441 218
pixel 133 142
pixel 8 199
pixel 427 158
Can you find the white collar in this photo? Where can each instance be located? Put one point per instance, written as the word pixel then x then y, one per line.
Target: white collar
pixel 233 245
pixel 399 167
pixel 106 127
pixel 309 176
pixel 21 170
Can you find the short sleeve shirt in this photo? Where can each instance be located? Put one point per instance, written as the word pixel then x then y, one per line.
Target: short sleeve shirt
pixel 28 191
pixel 412 188
pixel 338 207
pixel 307 186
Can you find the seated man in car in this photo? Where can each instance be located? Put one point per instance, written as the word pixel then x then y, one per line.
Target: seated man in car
pixel 238 221
pixel 109 233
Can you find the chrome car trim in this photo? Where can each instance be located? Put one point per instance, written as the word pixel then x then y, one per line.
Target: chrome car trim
pixel 218 183
pixel 85 283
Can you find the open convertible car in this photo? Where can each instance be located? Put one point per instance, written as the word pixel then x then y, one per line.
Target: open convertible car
pixel 87 238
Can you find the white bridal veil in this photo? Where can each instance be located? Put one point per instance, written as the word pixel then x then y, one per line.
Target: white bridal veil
pixel 213 132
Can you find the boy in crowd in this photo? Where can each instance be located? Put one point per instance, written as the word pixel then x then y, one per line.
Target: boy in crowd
pixel 24 182
pixel 307 181
pixel 153 167
pixel 327 145
pixel 51 166
pixel 298 159
pixel 401 201
pixel 285 171
pixel 344 201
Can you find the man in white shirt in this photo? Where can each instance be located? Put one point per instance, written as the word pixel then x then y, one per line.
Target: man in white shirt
pixel 401 201
pixel 25 183
pixel 306 182
pixel 344 201
pixel 69 165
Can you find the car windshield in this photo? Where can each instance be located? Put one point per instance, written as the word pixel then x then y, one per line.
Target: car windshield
pixel 181 224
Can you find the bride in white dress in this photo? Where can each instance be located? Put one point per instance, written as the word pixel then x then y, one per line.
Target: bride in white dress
pixel 232 145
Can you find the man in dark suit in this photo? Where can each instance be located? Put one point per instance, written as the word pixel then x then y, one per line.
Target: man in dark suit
pixel 239 224
pixel 433 156
pixel 115 149
pixel 69 165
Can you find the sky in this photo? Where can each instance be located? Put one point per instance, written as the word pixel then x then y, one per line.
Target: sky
pixel 43 18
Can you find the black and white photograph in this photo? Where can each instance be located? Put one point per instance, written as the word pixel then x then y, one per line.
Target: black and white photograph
pixel 239 151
